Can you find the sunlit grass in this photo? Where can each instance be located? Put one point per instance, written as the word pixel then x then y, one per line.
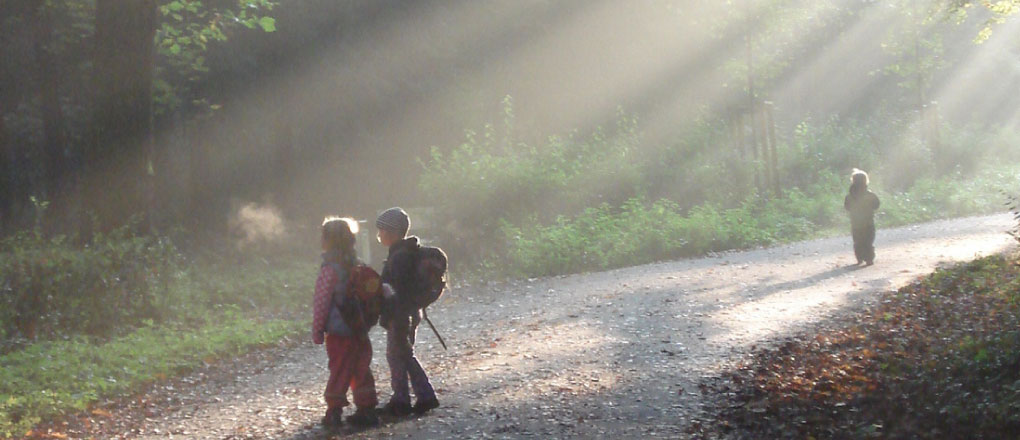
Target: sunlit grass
pixel 52 379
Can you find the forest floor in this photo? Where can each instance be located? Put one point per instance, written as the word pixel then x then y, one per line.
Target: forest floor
pixel 611 354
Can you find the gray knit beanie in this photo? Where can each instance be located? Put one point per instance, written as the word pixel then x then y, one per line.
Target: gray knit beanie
pixel 394 220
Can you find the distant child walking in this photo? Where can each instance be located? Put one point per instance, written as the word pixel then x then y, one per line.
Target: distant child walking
pixel 401 316
pixel 862 204
pixel 348 297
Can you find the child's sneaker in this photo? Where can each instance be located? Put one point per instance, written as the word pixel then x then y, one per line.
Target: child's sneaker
pixel 363 417
pixel 333 418
pixel 424 406
pixel 396 409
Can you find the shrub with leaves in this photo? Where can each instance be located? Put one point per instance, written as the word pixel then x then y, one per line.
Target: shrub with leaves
pixel 1014 208
pixel 53 288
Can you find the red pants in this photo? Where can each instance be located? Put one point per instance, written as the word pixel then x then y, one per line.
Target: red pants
pixel 350 358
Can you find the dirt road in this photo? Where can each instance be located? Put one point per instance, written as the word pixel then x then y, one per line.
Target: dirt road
pixel 615 354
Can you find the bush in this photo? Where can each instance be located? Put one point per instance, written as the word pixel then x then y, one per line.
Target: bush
pixel 641 232
pixel 580 203
pixel 492 178
pixel 53 288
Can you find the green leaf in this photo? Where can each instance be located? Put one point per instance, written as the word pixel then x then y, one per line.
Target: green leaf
pixel 268 24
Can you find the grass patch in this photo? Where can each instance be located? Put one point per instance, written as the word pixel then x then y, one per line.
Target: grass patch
pixel 52 379
pixel 80 323
pixel 641 232
pixel 937 359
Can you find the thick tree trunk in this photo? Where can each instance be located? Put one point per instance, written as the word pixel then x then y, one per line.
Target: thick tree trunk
pixel 55 163
pixel 118 182
pixel 7 193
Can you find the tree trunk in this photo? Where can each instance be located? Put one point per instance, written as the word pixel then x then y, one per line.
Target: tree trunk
pixel 763 140
pixel 770 126
pixel 119 178
pixel 751 108
pixel 55 164
pixel 7 193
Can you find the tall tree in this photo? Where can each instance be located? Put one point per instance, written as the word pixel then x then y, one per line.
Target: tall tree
pixel 55 165
pixel 121 140
pixel 12 46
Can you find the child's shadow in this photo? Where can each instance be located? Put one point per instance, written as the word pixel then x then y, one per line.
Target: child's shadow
pixel 318 432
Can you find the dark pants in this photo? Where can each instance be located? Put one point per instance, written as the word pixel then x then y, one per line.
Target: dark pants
pixel 350 358
pixel 403 364
pixel 864 243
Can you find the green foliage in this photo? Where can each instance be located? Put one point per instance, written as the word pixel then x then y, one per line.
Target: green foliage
pixel 915 46
pixel 608 200
pixel 835 145
pixel 187 28
pixel 953 195
pixel 55 289
pixel 51 379
pixel 641 232
pixel 492 177
pixel 61 289
pixel 1014 208
pixel 1001 10
pixel 124 310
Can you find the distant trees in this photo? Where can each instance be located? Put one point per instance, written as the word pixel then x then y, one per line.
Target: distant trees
pixel 169 108
pixel 80 85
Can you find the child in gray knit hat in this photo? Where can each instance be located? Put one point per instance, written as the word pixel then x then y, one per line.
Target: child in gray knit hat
pixel 401 317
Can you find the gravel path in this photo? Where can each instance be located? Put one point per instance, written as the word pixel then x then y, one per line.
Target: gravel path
pixel 615 353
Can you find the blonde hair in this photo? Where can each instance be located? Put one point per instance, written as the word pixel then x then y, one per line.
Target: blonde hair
pixel 859 177
pixel 339 234
pixel 858 181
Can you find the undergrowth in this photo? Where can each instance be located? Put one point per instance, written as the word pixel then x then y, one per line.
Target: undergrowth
pixel 54 289
pixel 641 231
pixel 506 207
pixel 83 323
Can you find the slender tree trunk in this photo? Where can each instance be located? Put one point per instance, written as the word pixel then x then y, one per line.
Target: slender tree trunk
pixel 119 177
pixel 751 109
pixel 770 126
pixel 763 140
pixel 737 132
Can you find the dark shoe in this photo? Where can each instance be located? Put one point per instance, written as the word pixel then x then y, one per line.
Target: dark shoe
pixel 333 418
pixel 363 417
pixel 396 409
pixel 424 406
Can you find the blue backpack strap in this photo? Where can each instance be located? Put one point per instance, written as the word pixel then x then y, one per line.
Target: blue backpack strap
pixel 341 283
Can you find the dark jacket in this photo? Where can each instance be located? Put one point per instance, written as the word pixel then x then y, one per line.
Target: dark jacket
pixel 399 272
pixel 862 206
